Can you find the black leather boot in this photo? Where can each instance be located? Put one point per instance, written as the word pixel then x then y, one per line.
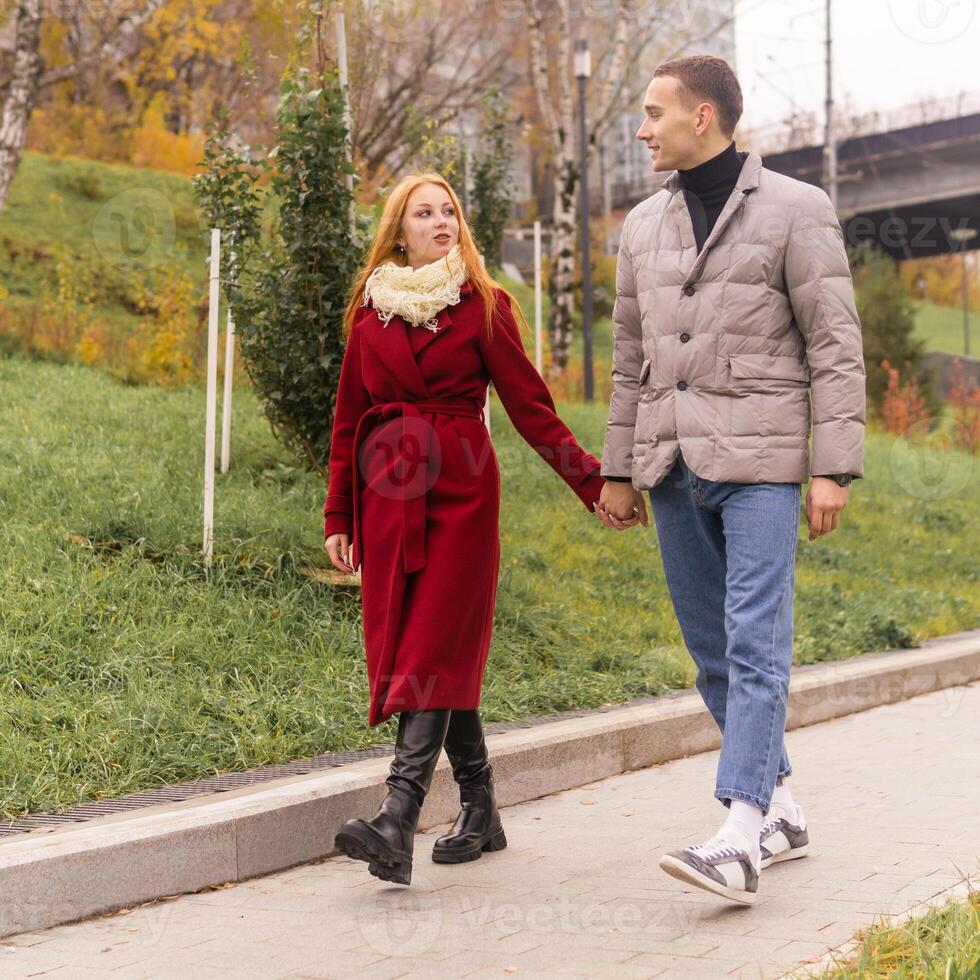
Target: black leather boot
pixel 478 827
pixel 386 841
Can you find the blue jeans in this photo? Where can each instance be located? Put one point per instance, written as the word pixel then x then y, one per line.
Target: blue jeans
pixel 729 555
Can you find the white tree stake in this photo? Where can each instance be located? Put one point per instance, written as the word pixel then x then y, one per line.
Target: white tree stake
pixel 212 395
pixel 229 372
pixel 226 401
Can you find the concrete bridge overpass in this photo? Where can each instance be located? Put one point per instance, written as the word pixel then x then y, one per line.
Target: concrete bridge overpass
pixel 907 189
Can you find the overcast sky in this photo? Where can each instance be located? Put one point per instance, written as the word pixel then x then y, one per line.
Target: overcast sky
pixel 886 53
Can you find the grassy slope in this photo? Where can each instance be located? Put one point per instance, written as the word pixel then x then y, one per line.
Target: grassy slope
pixel 941 327
pixel 118 671
pixel 121 670
pixel 92 214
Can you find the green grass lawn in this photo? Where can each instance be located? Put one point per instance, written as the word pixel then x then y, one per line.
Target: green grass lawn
pixel 127 665
pixel 105 222
pixel 941 327
pixel 941 944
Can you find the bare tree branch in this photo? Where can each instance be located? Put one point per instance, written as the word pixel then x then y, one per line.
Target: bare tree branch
pixel 114 48
pixel 29 77
pixel 442 65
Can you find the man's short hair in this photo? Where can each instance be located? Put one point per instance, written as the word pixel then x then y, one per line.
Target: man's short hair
pixel 705 78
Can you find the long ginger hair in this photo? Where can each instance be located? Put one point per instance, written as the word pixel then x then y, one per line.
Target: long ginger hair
pixel 383 250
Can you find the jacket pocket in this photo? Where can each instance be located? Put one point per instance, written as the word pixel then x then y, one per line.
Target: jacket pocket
pixel 644 372
pixel 777 367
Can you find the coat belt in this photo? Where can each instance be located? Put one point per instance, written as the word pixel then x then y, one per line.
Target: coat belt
pixel 411 504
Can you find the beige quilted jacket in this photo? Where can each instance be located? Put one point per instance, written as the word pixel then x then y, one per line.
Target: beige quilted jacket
pixel 719 353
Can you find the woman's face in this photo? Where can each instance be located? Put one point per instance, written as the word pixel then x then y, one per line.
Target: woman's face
pixel 430 225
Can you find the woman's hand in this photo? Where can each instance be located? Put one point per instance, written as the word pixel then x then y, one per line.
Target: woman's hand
pixel 337 546
pixel 620 506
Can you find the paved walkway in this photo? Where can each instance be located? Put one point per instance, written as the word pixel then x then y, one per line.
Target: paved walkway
pixel 893 799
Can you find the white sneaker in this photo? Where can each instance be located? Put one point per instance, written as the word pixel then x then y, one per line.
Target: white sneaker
pixel 721 865
pixel 783 837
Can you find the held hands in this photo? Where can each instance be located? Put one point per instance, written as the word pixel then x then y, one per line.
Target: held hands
pixel 338 547
pixel 824 502
pixel 620 506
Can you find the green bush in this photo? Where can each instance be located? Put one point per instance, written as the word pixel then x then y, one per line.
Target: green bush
pixel 888 327
pixel 288 290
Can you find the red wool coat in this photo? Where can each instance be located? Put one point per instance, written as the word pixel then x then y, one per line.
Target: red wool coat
pixel 414 480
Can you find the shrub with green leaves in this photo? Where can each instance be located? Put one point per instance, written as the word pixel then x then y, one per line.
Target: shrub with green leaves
pixel 493 196
pixel 887 326
pixel 288 288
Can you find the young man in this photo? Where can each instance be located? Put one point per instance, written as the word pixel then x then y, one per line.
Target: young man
pixel 734 306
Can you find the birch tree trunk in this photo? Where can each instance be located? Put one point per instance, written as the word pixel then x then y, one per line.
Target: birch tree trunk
pixel 636 31
pixel 22 92
pixel 28 77
pixel 555 105
pixel 556 97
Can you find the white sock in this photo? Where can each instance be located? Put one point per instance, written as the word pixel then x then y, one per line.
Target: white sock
pixel 784 798
pixel 745 819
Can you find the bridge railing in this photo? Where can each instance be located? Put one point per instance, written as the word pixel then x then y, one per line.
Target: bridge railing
pixel 806 128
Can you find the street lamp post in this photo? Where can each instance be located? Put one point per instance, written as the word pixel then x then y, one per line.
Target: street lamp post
pixel 583 69
pixel 964 235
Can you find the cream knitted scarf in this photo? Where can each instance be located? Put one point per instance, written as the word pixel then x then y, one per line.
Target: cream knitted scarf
pixel 416 295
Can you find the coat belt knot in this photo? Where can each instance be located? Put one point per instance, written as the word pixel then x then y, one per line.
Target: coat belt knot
pixel 411 451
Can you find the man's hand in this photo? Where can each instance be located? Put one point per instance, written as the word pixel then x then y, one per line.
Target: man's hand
pixel 620 506
pixel 824 502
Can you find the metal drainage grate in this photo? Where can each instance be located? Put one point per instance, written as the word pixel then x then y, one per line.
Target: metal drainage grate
pixel 176 792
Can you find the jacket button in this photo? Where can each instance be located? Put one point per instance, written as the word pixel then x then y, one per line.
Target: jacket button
pixel 688 290
pixel 681 385
pixel 685 337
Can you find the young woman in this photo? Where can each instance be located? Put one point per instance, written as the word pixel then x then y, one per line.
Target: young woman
pixel 414 499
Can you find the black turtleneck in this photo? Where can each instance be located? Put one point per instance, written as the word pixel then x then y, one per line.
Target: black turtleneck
pixel 708 186
pixel 706 189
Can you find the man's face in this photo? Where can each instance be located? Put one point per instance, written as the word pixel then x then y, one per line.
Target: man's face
pixel 669 125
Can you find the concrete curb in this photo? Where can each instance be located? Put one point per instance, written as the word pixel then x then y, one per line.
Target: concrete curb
pixel 67 873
